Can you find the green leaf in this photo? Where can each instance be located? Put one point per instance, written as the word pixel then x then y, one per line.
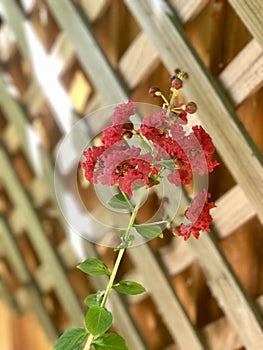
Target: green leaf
pixel 94 299
pixel 94 266
pixel 98 320
pixel 167 163
pixel 149 230
pixel 119 202
pixel 71 339
pixel 129 287
pixel 110 341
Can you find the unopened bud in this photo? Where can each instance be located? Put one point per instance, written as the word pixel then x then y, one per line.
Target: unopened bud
pixel 153 91
pixel 191 107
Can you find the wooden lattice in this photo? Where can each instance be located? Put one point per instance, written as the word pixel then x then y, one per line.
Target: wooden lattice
pixel 205 294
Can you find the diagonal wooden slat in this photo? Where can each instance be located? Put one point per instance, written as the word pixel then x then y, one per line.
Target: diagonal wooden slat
pixel 138 61
pixel 20 269
pixel 39 240
pixel 94 9
pixel 188 9
pixel 16 115
pixel 14 256
pixel 251 13
pixel 6 295
pixel 239 309
pixel 217 115
pixel 244 74
pixel 93 61
pixel 176 320
pixel 35 54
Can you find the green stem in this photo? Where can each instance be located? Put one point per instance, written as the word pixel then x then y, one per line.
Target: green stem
pixel 170 105
pixel 89 342
pixel 128 201
pixel 116 265
pixel 156 223
pixel 113 276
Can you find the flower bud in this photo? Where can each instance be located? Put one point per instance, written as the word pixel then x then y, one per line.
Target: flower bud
pixel 177 83
pixel 153 90
pixel 191 107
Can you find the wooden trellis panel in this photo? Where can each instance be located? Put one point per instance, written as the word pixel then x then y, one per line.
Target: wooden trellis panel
pixel 30 212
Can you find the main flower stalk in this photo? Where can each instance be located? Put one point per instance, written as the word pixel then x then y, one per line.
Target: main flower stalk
pixel 134 211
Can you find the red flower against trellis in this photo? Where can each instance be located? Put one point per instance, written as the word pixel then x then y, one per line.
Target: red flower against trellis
pixel 132 155
pixel 199 215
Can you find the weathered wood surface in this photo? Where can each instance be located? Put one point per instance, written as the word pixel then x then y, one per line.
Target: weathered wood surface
pixel 244 74
pixel 251 13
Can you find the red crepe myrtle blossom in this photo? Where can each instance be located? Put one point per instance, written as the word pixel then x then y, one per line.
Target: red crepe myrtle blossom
pixel 92 161
pixel 123 112
pixel 119 165
pixel 199 216
pixel 116 133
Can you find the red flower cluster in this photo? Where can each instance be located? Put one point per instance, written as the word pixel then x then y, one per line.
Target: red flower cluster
pixel 190 152
pixel 199 216
pixel 115 162
pixel 164 144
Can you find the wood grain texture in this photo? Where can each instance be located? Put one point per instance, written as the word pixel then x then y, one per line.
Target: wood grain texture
pixel 244 74
pixel 188 9
pixel 251 13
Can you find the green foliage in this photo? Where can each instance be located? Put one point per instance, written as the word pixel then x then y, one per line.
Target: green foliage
pixel 129 287
pixel 98 320
pixel 94 299
pixel 149 230
pixel 71 339
pixel 110 341
pixel 118 201
pixel 94 266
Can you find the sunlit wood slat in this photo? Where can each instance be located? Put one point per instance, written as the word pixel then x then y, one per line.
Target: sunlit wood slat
pixel 251 13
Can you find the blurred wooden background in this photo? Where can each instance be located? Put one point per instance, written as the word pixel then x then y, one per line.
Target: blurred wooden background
pixel 60 60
